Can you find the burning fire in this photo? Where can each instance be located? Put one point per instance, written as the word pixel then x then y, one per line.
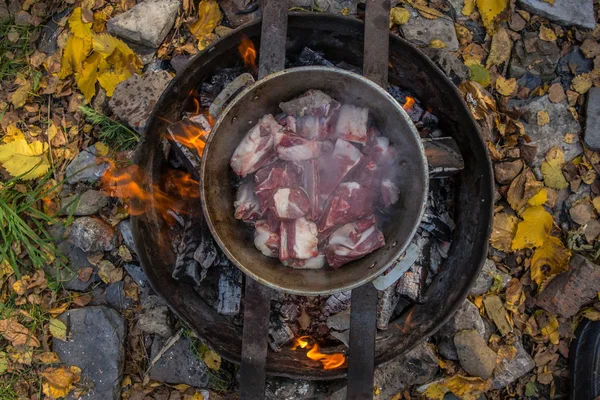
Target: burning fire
pixel 409 103
pixel 407 323
pixel 248 53
pixel 329 361
pixel 191 136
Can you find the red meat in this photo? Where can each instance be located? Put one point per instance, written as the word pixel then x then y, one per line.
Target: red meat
pixel 298 239
pixel 352 124
pixel 353 241
pixel 246 203
pixel 266 239
pixel 256 148
pixel 349 202
pixel 290 203
pixel 333 168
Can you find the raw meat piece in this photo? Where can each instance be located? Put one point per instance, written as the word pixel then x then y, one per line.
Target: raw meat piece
pixel 379 150
pixel 350 202
pixel 265 239
pixel 312 263
pixel 290 124
pixel 272 177
pixel 312 102
pixel 296 148
pixel 290 203
pixel 334 168
pixel 368 174
pixel 256 148
pixel 298 239
pixel 354 240
pixel 352 124
pixel 308 127
pixel 246 203
pixel 310 183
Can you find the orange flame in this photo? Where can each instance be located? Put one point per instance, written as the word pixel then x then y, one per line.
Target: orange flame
pixel 248 53
pixel 409 103
pixel 125 184
pixel 407 323
pixel 329 361
pixel 191 136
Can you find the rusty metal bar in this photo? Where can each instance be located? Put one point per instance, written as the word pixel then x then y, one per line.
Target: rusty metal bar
pixel 377 41
pixel 273 35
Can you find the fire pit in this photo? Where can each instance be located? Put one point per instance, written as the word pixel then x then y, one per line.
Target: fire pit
pixel 340 41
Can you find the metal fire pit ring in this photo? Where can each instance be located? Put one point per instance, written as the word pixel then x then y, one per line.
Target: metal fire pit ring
pixel 340 38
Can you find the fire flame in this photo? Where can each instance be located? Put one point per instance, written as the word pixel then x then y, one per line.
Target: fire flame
pixel 329 361
pixel 248 53
pixel 191 136
pixel 407 323
pixel 409 103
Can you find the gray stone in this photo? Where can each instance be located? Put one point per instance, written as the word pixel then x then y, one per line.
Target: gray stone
pixel 485 279
pixel 48 41
pixel 91 234
pixel 115 297
pixel 180 62
pixel 592 122
pixel 89 202
pixel 178 364
pixel 475 356
pixel 567 12
pixel 541 61
pixel 85 167
pixel 466 317
pixel 288 389
pixel 343 337
pixel 69 276
pixel 422 31
pixel 4 13
pixel 95 343
pixel 134 98
pixel 336 6
pixel 125 228
pixel 146 24
pixel 551 134
pixel 458 5
pixel 512 370
pixel 138 275
pixel 155 317
pixel 339 321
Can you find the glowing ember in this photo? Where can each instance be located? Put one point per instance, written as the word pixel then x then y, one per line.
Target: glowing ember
pixel 248 53
pixel 191 136
pixel 407 323
pixel 329 361
pixel 409 103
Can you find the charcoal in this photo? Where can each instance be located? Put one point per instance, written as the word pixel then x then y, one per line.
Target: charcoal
pixel 386 304
pixel 230 292
pixel 443 157
pixel 188 159
pixel 221 79
pixel 337 302
pixel 201 121
pixel 289 311
pixel 439 252
pixel 186 267
pixel 310 57
pixel 429 121
pixel 412 284
pixel 434 225
pixel 280 334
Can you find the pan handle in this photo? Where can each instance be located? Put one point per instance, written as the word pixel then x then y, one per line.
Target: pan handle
pixel 227 95
pixel 443 157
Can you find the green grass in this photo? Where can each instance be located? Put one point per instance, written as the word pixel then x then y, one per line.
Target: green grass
pixel 118 136
pixel 13 56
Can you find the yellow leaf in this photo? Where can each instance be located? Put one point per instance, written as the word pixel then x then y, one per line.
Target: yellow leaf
pixel 540 198
pixel 435 391
pixel 490 11
pixel 591 313
pixel 21 158
pixel 596 203
pixel 3 362
pixel 17 334
pixel 468 8
pixel 78 27
pixel 425 11
pixel 547 34
pixel 108 272
pixel 550 331
pixel 110 79
pixel 86 79
pixel 399 16
pixel 106 44
pixel 209 16
pixel 12 133
pixel 582 83
pixel 500 48
pixel 533 230
pixel 480 74
pixel 76 50
pixel 19 96
pixel 552 169
pixel 59 381
pixel 437 44
pixel 466 387
pixel 505 227
pixel 548 261
pixel 212 360
pixel 47 357
pixel 58 329
pixel 506 87
pixel 543 118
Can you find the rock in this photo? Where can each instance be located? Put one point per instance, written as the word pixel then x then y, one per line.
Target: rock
pixel 125 228
pixel 138 275
pixel 48 41
pixel 146 24
pixel 573 59
pixel 506 171
pixel 422 31
pixel 155 317
pixel 133 99
pixel 288 389
pixel 339 321
pixel 335 6
pixel 592 122
pixel 343 337
pixel 535 56
pixel 232 9
pixel 418 366
pixel 90 202
pixel 85 167
pixel 475 356
pixel 552 134
pixel 466 318
pixel 569 291
pixel 180 62
pixel 178 364
pixel 91 234
pixel 486 278
pixel 458 5
pixel 70 277
pixel 4 13
pixel 567 12
pixel 116 298
pixel 96 345
pixel 455 69
pixel 512 370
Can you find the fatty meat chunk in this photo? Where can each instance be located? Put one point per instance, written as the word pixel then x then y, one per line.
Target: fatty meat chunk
pixel 317 262
pixel 296 148
pixel 349 202
pixel 353 241
pixel 256 148
pixel 298 239
pixel 246 203
pixel 333 169
pixel 290 203
pixel 312 102
pixel 266 239
pixel 352 124
pixel 310 183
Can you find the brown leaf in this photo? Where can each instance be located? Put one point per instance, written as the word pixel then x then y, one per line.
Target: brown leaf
pixel 590 48
pixel 556 94
pixel 108 272
pixel 514 289
pixel 543 118
pixel 84 274
pixel 500 48
pixel 547 34
pixel 505 227
pixel 582 212
pixel 522 188
pixel 17 334
pixel 497 313
pixel 549 260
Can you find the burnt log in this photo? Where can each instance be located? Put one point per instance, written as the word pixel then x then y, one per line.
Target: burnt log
pixel 337 302
pixel 230 292
pixel 387 300
pixel 443 157
pixel 412 284
pixel 280 334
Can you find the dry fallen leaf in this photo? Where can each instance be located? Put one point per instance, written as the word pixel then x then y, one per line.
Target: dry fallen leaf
pixel 437 44
pixel 27 159
pixel 552 169
pixel 108 272
pixel 549 260
pixel 19 96
pixel 543 118
pixel 480 75
pixel 209 16
pixel 491 11
pixel 556 93
pixel 500 48
pixel 550 331
pixel 582 211
pixel 506 87
pixel 212 360
pixel 522 188
pixel 533 230
pixel 399 16
pixel 547 34
pixel 514 290
pixel 468 8
pixel 423 9
pixel 539 199
pixel 47 357
pixel 497 313
pixel 17 334
pixel 58 329
pixel 596 203
pixel 59 381
pixel 505 227
pixel 582 83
